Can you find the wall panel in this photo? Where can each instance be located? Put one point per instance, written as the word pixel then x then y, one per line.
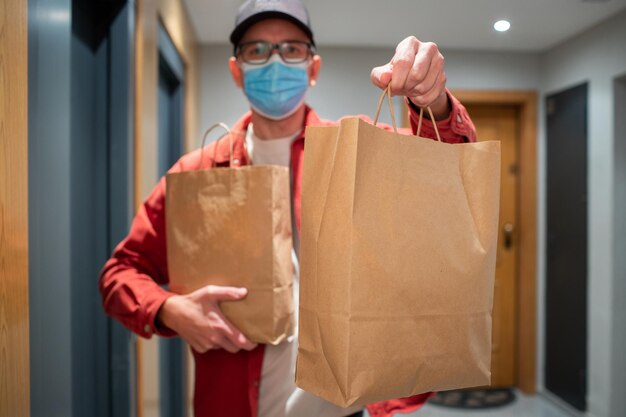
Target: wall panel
pixel 14 325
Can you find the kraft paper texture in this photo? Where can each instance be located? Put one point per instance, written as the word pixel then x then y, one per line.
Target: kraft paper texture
pixel 232 227
pixel 397 263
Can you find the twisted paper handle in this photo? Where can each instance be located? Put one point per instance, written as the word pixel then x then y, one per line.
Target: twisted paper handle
pixel 387 92
pixel 230 141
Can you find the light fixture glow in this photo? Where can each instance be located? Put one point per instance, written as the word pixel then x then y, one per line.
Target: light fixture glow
pixel 502 25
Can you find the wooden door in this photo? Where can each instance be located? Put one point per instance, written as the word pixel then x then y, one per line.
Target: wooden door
pixel 501 122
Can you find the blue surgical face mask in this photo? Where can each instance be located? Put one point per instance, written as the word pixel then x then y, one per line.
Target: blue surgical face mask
pixel 275 89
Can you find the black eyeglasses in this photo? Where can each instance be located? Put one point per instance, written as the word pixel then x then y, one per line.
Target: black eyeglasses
pixel 259 52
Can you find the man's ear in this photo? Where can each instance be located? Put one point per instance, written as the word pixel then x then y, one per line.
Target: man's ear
pixel 235 72
pixel 314 69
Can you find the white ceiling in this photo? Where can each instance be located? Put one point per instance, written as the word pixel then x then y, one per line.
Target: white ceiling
pixel 536 25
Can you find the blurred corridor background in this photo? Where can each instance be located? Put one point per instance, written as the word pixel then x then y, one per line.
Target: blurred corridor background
pixel 99 98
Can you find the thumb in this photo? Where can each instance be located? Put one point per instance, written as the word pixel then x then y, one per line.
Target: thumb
pixel 381 76
pixel 219 293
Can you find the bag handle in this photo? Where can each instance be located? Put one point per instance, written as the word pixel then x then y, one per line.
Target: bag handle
pixel 230 141
pixel 387 92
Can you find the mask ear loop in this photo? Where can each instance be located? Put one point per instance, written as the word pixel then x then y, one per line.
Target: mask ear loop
pixel 230 141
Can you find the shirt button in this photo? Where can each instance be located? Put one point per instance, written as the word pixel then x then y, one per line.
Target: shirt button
pixel 147 329
pixel 458 118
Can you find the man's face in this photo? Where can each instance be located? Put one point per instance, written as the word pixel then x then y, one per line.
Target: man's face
pixel 274 31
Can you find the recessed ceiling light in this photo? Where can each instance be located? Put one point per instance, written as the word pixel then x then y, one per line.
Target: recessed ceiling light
pixel 502 25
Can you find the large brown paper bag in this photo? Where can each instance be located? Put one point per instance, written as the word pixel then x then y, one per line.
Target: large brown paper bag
pixel 397 263
pixel 232 227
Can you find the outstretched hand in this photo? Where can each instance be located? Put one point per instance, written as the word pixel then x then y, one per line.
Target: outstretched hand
pixel 198 319
pixel 416 71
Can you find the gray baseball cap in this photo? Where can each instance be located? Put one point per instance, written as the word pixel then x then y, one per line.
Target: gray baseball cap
pixel 253 11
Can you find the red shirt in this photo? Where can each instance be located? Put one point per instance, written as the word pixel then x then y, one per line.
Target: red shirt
pixel 226 384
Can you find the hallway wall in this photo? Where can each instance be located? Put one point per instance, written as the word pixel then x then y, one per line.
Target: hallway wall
pixel 176 22
pixel 618 402
pixel 599 57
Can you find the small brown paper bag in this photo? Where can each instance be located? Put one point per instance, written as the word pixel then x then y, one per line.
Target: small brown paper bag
pixel 397 263
pixel 232 227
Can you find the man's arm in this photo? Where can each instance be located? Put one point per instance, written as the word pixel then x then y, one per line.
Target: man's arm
pixel 130 280
pixel 417 71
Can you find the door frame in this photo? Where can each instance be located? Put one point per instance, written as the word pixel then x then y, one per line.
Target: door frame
pixel 526 335
pixel 172 16
pixel 14 251
pixel 172 352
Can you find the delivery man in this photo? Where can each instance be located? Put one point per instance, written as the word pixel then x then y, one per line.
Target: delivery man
pixel 274 63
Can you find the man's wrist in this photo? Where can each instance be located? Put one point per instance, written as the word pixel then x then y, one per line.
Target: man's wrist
pixel 162 319
pixel 441 107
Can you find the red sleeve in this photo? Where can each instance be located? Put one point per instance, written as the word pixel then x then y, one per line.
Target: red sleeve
pixel 457 128
pixel 130 281
pixel 401 405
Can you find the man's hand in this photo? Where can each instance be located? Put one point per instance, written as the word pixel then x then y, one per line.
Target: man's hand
pixel 417 72
pixel 197 318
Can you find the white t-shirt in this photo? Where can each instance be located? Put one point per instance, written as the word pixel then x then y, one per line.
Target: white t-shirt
pixel 278 394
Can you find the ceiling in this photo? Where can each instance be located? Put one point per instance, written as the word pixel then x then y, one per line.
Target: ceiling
pixel 536 25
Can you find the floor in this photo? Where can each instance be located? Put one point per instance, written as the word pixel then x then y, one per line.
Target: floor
pixel 523 406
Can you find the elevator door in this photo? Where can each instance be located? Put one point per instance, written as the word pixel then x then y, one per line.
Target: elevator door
pixel 81 176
